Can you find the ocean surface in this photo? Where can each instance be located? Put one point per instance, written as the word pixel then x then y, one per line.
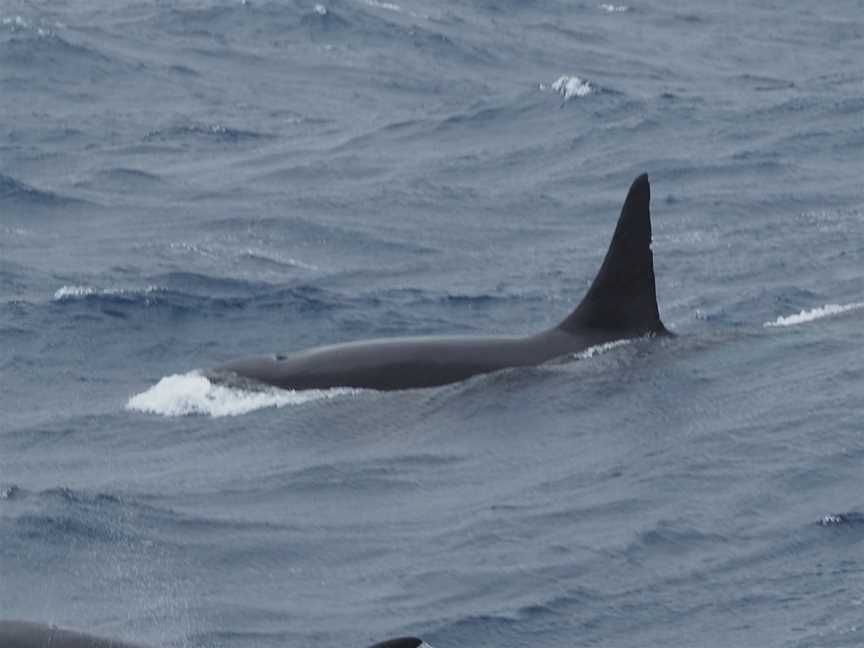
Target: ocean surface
pixel 182 183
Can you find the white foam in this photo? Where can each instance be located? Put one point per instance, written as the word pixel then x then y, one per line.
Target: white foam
pixel 814 314
pixel 191 394
pixel 9 492
pixel 389 6
pixel 321 10
pixel 614 8
pixel 70 292
pixel 14 231
pixel 597 349
pixel 571 86
pixel 193 248
pixel 77 292
pixel 17 23
pixel 257 253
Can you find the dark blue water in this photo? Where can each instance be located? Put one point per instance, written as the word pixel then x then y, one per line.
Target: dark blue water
pixel 184 183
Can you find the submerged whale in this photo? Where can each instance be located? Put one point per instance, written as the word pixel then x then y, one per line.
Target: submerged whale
pixel 24 634
pixel 621 303
pixel 401 642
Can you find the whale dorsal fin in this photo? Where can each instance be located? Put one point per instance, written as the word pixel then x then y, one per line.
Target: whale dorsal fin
pixel 623 296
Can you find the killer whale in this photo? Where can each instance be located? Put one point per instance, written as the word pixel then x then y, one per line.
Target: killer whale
pixel 25 634
pixel 620 303
pixel 401 642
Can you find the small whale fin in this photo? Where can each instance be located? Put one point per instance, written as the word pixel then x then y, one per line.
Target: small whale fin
pixel 401 642
pixel 623 296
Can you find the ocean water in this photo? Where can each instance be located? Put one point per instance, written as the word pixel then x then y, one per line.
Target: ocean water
pixel 182 183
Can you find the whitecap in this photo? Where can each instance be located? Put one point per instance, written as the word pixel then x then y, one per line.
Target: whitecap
pixel 570 86
pixel 389 6
pixel 71 292
pixel 9 492
pixel 77 292
pixel 14 22
pixel 614 8
pixel 193 394
pixel 18 24
pixel 14 231
pixel 813 314
pixel 598 349
pixel 832 519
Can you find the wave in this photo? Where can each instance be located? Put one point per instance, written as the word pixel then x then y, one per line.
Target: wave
pixel 35 46
pixel 63 515
pixel 18 24
pixel 813 314
pixel 124 179
pixel 853 518
pixel 213 131
pixel 388 32
pixel 9 492
pixel 193 394
pixel 569 87
pixel 17 191
pixel 387 6
pixel 760 83
pixel 279 261
pixel 414 297
pixel 189 293
pixel 611 8
pixel 78 292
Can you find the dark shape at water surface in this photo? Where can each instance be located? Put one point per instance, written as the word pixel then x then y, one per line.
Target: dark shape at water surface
pixel 400 642
pixel 24 634
pixel 621 303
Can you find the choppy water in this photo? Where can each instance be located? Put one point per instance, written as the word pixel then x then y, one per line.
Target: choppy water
pixel 183 183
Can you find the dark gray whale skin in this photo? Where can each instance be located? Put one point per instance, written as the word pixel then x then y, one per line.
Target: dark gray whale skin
pixel 24 634
pixel 621 303
pixel 400 642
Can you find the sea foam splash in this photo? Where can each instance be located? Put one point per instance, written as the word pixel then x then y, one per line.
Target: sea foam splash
pixel 77 292
pixel 813 314
pixel 389 6
pixel 598 349
pixel 193 394
pixel 569 87
pixel 17 24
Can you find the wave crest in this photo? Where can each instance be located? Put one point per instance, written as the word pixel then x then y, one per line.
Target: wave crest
pixel 569 87
pixel 813 314
pixel 599 349
pixel 66 293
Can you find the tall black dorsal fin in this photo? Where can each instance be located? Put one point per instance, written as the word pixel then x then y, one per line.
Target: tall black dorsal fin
pixel 623 296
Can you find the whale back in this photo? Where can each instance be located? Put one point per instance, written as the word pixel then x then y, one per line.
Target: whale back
pixel 400 642
pixel 23 634
pixel 623 296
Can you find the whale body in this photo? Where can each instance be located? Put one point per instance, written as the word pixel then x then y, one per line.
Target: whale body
pixel 24 634
pixel 621 303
